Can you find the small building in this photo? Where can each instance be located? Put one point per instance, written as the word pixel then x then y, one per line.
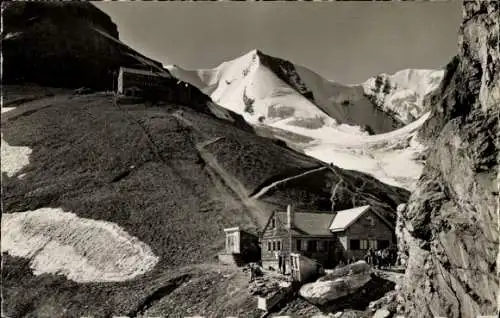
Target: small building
pixel 159 85
pixel 133 81
pixel 304 269
pixel 327 237
pixel 241 247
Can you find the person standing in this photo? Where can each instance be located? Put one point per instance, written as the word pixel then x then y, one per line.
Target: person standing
pixel 280 260
pixel 378 258
pixel 252 272
pixel 385 258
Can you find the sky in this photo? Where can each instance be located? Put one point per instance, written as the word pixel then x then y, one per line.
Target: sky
pixel 348 42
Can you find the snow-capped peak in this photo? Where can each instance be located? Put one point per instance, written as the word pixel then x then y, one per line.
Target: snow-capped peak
pixel 326 119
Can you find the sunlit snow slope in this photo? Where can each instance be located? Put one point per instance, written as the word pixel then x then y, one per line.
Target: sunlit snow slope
pixel 337 121
pixel 395 158
pixel 271 90
pixel 402 93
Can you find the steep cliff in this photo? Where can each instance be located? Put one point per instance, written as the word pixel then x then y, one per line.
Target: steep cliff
pixel 449 229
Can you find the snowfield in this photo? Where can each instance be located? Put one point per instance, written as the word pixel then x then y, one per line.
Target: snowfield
pixel 83 250
pixel 14 158
pixel 392 157
pixel 406 91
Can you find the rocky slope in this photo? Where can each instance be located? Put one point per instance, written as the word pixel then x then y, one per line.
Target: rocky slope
pixel 75 45
pixel 122 194
pixel 449 230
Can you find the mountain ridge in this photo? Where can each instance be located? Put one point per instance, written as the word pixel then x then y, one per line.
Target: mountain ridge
pixel 293 74
pixel 294 104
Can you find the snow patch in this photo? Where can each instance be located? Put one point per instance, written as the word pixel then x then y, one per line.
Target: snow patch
pixel 14 158
pixel 83 250
pixel 7 109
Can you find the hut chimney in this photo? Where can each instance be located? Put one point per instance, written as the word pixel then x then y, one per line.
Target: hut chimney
pixel 289 216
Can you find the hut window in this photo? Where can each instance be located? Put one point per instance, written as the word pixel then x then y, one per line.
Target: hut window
pixel 354 244
pixel 279 245
pixel 299 245
pixel 331 245
pixel 364 244
pixel 268 245
pixel 322 246
pixel 274 246
pixel 312 246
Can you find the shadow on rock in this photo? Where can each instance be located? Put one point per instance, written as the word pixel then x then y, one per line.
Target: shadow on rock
pixel 376 288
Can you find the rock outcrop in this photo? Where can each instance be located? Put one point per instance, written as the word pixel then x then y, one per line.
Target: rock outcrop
pixel 449 230
pixel 63 45
pixel 342 282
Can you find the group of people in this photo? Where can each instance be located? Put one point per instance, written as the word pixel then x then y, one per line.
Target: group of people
pixel 382 258
pixel 254 271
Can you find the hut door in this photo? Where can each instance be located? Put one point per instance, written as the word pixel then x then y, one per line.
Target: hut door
pixel 232 245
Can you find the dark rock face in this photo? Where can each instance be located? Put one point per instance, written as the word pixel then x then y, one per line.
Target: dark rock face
pixel 449 228
pixel 63 45
pixel 285 70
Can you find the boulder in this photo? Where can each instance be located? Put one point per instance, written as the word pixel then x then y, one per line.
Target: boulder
pixel 359 267
pixel 382 313
pixel 343 282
